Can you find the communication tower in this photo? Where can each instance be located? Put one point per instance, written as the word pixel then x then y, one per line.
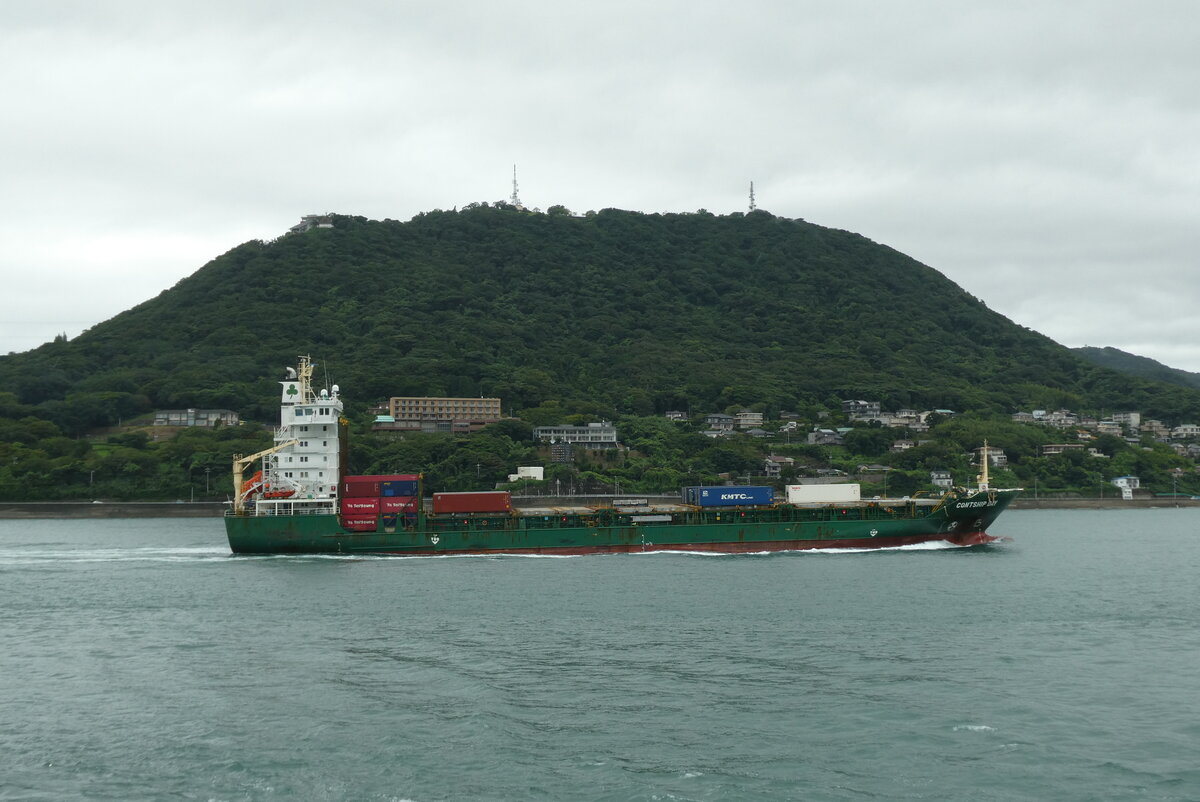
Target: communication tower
pixel 753 206
pixel 515 200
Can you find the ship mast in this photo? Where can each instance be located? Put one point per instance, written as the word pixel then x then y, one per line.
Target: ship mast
pixel 982 478
pixel 304 379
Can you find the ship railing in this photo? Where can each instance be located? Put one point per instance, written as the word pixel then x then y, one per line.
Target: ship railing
pixel 272 510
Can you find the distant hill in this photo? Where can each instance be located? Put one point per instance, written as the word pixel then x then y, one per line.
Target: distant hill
pixel 610 312
pixel 1140 366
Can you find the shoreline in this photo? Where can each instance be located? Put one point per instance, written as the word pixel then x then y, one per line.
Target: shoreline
pixel 32 510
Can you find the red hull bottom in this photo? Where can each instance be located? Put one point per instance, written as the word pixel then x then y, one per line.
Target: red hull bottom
pixel 955 538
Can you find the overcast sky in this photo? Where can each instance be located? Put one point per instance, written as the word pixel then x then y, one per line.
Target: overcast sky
pixel 1045 156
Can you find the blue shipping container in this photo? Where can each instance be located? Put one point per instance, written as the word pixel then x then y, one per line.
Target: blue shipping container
pixel 398 487
pixel 737 496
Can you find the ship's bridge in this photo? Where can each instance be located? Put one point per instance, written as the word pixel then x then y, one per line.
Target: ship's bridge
pixel 307 463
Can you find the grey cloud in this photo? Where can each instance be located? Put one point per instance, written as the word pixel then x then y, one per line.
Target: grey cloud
pixel 1044 156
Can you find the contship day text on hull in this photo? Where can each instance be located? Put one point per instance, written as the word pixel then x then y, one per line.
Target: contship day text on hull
pixel 300 503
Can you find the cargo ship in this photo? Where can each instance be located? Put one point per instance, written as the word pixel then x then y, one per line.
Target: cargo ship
pixel 300 501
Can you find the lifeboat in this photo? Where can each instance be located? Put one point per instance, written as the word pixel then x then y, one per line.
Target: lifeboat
pixel 251 484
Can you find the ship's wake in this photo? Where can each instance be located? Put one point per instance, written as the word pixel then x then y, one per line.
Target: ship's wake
pixel 40 555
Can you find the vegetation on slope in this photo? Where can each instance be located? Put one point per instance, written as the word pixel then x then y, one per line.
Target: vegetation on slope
pixel 1139 366
pixel 608 314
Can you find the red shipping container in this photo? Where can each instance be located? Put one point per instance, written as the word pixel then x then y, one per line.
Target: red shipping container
pixel 360 506
pixel 356 523
pixel 397 504
pixel 489 501
pixel 351 488
pixel 368 486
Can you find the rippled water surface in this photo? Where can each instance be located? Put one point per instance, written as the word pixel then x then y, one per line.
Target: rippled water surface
pixel 139 660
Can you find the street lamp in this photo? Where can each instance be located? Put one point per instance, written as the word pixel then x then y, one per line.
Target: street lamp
pixel 207 471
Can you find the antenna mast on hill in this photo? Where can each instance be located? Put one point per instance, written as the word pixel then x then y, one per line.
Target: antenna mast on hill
pixel 753 206
pixel 515 200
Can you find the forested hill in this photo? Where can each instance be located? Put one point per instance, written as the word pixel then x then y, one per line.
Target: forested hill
pixel 611 311
pixel 1140 366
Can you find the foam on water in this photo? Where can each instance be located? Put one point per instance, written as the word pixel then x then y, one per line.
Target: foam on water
pixel 39 554
pixel 931 545
pixel 936 545
pixel 35 556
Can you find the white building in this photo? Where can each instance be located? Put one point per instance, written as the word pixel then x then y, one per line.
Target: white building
pixel 1127 484
pixel 602 435
pixel 749 420
pixel 1130 419
pixel 534 473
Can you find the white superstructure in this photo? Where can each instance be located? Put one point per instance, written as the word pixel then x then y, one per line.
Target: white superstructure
pixel 300 473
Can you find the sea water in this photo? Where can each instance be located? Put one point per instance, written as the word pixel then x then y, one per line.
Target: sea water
pixel 140 660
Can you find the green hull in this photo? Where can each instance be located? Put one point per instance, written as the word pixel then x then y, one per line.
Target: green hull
pixel 962 520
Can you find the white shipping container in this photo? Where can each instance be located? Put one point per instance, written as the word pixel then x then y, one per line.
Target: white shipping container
pixel 822 494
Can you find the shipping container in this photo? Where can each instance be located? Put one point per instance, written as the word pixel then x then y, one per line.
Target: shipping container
pixel 358 523
pixel 735 496
pixel 354 505
pixel 489 501
pixel 353 488
pixel 390 484
pixel 398 504
pixel 823 494
pixel 398 487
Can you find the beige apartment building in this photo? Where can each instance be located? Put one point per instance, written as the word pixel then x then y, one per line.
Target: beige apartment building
pixel 406 408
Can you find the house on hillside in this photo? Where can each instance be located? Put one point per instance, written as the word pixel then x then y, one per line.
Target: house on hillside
pixel 996 457
pixel 773 465
pixel 1185 431
pixel 1050 449
pixel 825 437
pixel 749 420
pixel 719 422
pixel 861 410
